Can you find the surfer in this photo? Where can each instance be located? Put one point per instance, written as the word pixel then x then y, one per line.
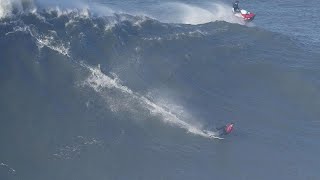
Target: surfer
pixel 225 130
pixel 236 6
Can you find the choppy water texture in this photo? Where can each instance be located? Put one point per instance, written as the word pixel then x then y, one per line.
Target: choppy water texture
pixel 134 90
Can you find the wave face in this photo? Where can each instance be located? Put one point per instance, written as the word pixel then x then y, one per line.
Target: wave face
pixel 120 96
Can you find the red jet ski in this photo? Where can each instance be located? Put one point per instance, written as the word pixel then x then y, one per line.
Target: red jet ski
pixel 244 14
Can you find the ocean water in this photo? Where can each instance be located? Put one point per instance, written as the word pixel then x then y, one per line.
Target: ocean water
pixel 116 90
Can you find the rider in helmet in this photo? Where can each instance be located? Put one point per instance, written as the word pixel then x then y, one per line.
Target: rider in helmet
pixel 236 6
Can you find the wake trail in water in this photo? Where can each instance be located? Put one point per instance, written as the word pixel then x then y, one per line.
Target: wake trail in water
pixel 183 13
pixel 99 81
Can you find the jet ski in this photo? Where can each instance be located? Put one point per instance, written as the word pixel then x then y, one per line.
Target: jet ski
pixel 244 14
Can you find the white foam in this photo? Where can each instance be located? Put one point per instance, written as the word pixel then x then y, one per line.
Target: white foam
pixel 101 9
pixel 11 170
pixel 188 14
pixel 5 8
pixel 83 12
pixel 173 12
pixel 183 13
pixel 48 41
pixel 176 36
pixel 51 41
pixel 18 29
pixel 79 8
pixel 75 148
pixel 99 82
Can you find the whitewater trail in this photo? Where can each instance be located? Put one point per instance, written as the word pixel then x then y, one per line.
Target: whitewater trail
pixel 99 81
pixel 177 12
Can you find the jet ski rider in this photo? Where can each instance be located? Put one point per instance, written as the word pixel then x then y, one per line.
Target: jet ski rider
pixel 236 6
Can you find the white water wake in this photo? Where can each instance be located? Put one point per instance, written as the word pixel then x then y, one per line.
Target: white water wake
pixel 99 82
pixel 183 13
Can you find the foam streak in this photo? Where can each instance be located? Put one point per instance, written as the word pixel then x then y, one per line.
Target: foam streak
pixel 98 81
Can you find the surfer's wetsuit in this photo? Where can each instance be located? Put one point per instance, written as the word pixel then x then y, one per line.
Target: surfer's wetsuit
pixel 227 129
pixel 236 6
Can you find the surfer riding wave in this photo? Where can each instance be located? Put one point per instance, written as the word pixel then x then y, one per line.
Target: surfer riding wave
pixel 225 130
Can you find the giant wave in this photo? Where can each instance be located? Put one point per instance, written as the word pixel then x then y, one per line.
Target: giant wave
pixel 145 53
pixel 67 72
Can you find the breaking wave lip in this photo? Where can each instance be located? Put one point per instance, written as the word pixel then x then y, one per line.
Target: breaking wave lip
pixel 4 6
pixel 10 7
pixel 99 81
pixel 168 12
